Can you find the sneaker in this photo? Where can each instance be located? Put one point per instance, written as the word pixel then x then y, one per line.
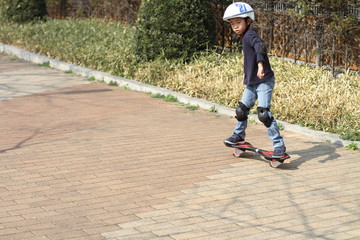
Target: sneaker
pixel 234 139
pixel 279 152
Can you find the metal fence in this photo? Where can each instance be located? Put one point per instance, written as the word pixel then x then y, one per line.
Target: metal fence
pixel 319 34
pixel 322 36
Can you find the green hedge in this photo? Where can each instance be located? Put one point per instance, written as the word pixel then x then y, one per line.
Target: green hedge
pixel 303 95
pixel 174 28
pixel 23 10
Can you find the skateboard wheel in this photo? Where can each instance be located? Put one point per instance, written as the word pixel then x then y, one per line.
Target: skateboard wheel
pixel 275 163
pixel 238 152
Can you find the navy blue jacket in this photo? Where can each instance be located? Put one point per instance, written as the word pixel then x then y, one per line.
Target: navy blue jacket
pixel 254 52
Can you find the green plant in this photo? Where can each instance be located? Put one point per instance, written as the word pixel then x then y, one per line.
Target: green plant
pixel 45 64
pixel 310 97
pixel 192 107
pixel 96 44
pixel 157 95
pixel 69 72
pixel 280 126
pixel 351 135
pixel 23 10
pixel 213 109
pixel 126 87
pixel 113 83
pixel 166 98
pixel 352 146
pixel 92 78
pixel 170 98
pixel 173 28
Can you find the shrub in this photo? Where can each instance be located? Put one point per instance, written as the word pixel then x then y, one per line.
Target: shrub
pixel 23 10
pixel 303 95
pixel 174 28
pixel 93 43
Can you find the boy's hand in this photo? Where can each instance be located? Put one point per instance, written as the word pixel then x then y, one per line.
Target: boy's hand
pixel 260 72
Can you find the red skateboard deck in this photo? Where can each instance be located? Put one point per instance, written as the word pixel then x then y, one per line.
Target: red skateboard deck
pixel 241 148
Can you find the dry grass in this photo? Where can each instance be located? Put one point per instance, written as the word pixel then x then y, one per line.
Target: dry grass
pixel 314 98
pixel 205 77
pixel 303 95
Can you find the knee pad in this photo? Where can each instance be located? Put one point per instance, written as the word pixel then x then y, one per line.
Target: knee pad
pixel 265 116
pixel 242 112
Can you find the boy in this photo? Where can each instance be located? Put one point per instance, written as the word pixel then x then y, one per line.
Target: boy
pixel 259 78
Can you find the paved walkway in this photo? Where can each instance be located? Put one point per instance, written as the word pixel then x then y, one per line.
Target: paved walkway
pixel 82 160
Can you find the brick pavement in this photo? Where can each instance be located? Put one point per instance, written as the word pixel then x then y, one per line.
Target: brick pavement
pixel 89 161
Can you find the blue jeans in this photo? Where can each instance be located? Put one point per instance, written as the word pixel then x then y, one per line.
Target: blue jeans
pixel 263 93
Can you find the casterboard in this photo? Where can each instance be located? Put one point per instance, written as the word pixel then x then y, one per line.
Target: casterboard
pixel 241 148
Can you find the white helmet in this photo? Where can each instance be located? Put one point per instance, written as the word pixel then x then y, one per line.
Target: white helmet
pixel 239 9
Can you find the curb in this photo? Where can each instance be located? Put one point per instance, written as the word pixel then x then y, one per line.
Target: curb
pixel 141 87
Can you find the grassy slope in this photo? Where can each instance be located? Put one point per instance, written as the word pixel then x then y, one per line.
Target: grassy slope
pixel 303 95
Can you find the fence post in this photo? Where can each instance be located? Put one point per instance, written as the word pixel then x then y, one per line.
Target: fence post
pixel 333 55
pixel 294 38
pixel 62 6
pixel 318 39
pixel 306 42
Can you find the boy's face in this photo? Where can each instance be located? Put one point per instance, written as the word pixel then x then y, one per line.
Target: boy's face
pixel 238 25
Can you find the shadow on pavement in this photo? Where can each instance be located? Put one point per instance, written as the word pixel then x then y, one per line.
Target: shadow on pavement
pixel 319 149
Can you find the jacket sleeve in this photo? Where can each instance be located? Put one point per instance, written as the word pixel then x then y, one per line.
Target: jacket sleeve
pixel 259 47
